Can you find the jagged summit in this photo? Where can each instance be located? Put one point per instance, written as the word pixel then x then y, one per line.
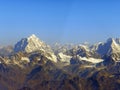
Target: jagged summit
pixel 33 36
pixel 30 44
pixel 33 44
pixel 109 47
pixel 110 39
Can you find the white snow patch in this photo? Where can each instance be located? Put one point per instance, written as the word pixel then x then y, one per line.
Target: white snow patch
pixel 92 60
pixel 64 58
pixel 85 47
pixel 89 66
pixel 52 58
pixel 25 59
pixel 38 59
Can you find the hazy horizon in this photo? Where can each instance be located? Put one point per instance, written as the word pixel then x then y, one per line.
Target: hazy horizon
pixel 62 21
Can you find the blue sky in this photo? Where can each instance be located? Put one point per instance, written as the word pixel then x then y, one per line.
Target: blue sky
pixel 64 21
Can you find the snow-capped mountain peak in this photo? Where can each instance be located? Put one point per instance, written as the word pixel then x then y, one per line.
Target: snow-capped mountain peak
pixel 114 46
pixel 85 47
pixel 110 39
pixel 109 47
pixel 118 41
pixel 30 44
pixel 33 44
pixel 33 37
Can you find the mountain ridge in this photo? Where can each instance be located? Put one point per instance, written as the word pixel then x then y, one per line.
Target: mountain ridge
pixel 60 67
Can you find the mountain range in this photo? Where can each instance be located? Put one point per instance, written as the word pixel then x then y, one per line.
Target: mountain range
pixel 31 64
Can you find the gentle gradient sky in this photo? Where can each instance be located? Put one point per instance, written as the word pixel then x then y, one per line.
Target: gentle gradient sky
pixel 72 21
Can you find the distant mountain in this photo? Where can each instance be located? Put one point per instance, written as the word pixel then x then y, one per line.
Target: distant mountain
pixel 7 50
pixel 109 47
pixel 31 44
pixel 60 67
pixel 34 44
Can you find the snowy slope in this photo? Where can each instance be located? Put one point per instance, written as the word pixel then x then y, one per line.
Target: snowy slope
pixel 109 47
pixel 92 60
pixel 33 44
pixel 30 44
pixel 64 58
